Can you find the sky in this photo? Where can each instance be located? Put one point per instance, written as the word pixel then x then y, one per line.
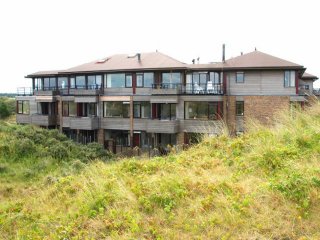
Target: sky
pixel 40 35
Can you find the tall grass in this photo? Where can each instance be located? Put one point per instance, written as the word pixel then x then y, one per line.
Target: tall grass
pixel 264 184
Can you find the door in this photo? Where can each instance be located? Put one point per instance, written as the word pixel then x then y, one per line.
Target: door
pixel 136 140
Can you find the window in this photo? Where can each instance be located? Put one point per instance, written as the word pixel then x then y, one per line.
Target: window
pixel 171 80
pixel 94 81
pixel 116 109
pixel 148 79
pixel 49 83
pixel 139 79
pixel 289 79
pixel 215 77
pixel 306 87
pixel 23 107
pixel 239 108
pixel 203 110
pixel 141 109
pixel 167 111
pixel 239 77
pixel 62 82
pixel 69 109
pixel 38 83
pixel 80 82
pixel 92 109
pixel 43 108
pixel 128 80
pixel 116 80
pixel 72 82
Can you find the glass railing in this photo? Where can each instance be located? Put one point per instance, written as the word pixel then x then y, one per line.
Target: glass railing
pixel 24 91
pixel 208 88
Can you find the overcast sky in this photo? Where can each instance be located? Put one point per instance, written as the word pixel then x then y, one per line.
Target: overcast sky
pixel 49 35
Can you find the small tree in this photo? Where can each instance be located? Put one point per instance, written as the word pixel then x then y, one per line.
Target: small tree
pixel 4 111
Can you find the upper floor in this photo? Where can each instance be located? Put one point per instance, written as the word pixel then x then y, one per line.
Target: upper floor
pixel 255 73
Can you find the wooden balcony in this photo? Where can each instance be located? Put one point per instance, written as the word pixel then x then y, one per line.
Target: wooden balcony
pixel 82 123
pixel 162 126
pixel 23 119
pixel 43 120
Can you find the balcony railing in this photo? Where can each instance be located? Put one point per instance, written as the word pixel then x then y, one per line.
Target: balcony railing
pixel 169 88
pixel 316 91
pixel 208 88
pixel 24 91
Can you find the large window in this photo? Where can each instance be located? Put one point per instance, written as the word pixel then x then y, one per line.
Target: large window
pixel 171 80
pixel 167 111
pixel 69 109
pixel 128 80
pixel 239 77
pixel 62 82
pixel 49 83
pixel 94 81
pixel 116 109
pixel 80 81
pixel 289 79
pixel 145 79
pixel 203 110
pixel 239 108
pixel 23 107
pixel 38 83
pixel 141 109
pixel 116 80
pixel 43 108
pixel 203 83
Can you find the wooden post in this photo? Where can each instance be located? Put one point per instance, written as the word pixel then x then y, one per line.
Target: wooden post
pixel 131 121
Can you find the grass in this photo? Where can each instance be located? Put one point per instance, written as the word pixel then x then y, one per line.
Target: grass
pixel 264 184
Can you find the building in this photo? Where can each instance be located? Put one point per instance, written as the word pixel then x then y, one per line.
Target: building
pixel 151 100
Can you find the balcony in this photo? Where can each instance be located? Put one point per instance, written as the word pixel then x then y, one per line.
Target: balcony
pixel 83 90
pixel 192 89
pixel 166 89
pixel 163 126
pixel 23 119
pixel 46 91
pixel 43 120
pixel 206 89
pixel 83 123
pixel 24 91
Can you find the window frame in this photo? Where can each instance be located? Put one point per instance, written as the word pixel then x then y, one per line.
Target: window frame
pixel 23 107
pixel 291 83
pixel 126 83
pixel 242 108
pixel 122 109
pixel 216 105
pixel 237 78
pixel 142 75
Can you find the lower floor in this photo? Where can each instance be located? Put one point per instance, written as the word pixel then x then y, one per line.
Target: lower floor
pixel 121 141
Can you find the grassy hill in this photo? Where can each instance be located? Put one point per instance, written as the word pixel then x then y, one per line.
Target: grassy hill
pixel 262 185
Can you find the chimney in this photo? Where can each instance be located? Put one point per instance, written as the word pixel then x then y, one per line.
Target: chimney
pixel 241 53
pixel 139 56
pixel 193 61
pixel 223 53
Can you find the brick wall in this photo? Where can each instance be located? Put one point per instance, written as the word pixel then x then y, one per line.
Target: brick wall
pixel 263 108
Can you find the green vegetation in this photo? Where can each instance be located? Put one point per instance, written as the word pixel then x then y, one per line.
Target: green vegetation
pixel 7 107
pixel 262 185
